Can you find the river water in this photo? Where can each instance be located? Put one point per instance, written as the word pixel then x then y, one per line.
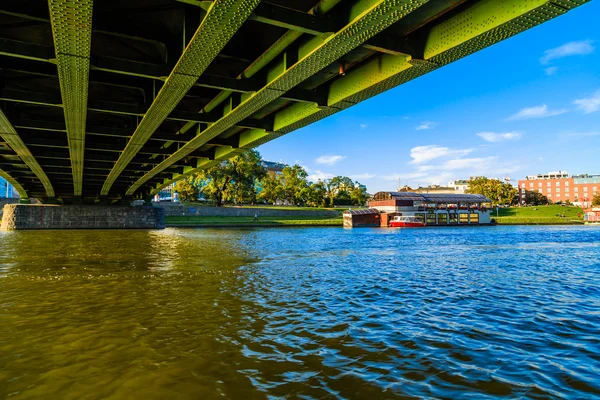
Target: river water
pixel 300 312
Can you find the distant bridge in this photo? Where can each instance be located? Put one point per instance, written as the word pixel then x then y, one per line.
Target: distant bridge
pixel 109 100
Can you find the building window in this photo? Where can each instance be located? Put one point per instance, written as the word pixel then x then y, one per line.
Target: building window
pixel 557 190
pixel 566 183
pixel 539 184
pixel 557 183
pixel 523 185
pixel 576 189
pixel 531 185
pixel 442 218
pixel 549 184
pixel 567 190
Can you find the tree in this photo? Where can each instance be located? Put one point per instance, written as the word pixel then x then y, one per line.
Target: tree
pixel 187 189
pixel 359 195
pixel 271 189
pixel 293 181
pixel 535 198
pixel 495 190
pixel 233 179
pixel 335 185
pixel 316 194
pixel 596 200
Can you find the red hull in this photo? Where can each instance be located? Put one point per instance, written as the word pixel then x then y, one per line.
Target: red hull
pixel 395 224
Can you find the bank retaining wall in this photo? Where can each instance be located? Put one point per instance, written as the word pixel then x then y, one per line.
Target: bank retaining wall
pixel 243 212
pixel 34 216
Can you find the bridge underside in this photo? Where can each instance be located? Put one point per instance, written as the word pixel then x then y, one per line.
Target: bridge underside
pixel 108 100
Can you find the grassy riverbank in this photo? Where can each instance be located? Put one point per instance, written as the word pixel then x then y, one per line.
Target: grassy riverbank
pixel 540 215
pixel 249 221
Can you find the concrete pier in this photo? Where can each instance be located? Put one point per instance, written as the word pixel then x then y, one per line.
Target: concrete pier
pixel 34 216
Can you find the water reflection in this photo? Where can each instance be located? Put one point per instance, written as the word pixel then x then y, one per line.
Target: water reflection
pixel 302 312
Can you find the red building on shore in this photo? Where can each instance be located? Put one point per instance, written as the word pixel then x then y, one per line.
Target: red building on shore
pixel 558 186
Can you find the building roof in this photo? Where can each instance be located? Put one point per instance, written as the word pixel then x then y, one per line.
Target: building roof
pixel 432 197
pixel 362 212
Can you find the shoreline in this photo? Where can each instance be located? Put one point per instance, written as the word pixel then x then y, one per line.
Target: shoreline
pixel 329 225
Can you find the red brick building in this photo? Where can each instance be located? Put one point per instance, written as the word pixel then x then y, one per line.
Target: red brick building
pixel 558 186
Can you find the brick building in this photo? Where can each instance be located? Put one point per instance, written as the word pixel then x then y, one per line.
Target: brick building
pixel 559 186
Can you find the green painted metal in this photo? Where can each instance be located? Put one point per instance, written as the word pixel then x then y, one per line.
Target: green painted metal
pixel 72 31
pixel 221 22
pixel 487 23
pixel 382 67
pixel 377 16
pixel 321 8
pixel 478 19
pixel 490 25
pixel 22 192
pixel 10 136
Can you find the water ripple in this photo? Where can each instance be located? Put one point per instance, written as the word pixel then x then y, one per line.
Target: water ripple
pixel 307 313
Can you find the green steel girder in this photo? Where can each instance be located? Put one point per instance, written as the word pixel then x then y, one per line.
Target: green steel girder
pixel 72 31
pixel 10 136
pixel 293 20
pixel 367 18
pixel 222 20
pixel 486 22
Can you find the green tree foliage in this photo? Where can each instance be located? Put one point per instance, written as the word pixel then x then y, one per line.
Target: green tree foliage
pixel 238 179
pixel 293 181
pixel 359 195
pixel 596 200
pixel 495 190
pixel 335 186
pixel 316 194
pixel 535 198
pixel 187 189
pixel 233 179
pixel 271 189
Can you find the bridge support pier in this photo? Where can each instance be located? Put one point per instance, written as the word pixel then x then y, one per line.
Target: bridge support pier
pixel 47 216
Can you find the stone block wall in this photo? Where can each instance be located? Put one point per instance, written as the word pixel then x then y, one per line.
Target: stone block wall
pixel 204 211
pixel 33 216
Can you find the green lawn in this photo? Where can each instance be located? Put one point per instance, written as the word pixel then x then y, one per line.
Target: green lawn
pixel 199 221
pixel 539 215
pixel 271 207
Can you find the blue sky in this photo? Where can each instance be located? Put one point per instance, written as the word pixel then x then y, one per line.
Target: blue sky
pixel 527 105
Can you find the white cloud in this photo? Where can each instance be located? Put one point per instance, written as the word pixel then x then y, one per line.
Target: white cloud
pixel 551 70
pixel 469 163
pixel 363 126
pixel 329 159
pixel 422 154
pixel 590 104
pixel 317 175
pixel 536 112
pixel 569 49
pixel 499 137
pixel 364 176
pixel 425 125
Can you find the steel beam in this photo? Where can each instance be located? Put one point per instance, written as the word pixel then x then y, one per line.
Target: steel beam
pixel 210 37
pixel 366 19
pixel 10 136
pixel 72 32
pixel 106 65
pixel 479 25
